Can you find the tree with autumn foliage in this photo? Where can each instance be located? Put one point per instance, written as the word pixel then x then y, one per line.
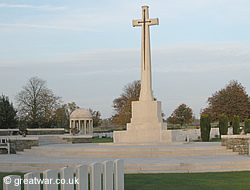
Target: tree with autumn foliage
pixel 181 115
pixel 231 100
pixel 122 105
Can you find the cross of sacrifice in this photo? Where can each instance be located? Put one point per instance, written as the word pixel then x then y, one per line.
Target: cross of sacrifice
pixel 146 81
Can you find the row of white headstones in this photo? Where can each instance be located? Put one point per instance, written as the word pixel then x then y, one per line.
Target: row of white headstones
pixel 109 174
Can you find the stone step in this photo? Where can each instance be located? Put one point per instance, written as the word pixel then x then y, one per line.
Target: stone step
pixel 141 168
pixel 45 140
pixel 150 155
pixel 130 149
pixel 122 152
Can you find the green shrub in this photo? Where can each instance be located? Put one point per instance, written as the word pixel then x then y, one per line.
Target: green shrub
pixel 236 125
pixel 205 123
pixel 223 124
pixel 247 126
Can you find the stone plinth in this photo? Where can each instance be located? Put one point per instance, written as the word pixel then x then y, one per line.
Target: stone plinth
pixel 146 125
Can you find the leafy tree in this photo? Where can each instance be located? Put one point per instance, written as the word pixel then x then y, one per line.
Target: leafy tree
pixel 223 124
pixel 97 121
pixel 122 105
pixel 247 126
pixel 236 124
pixel 62 114
pixel 205 124
pixel 172 120
pixel 8 118
pixel 37 103
pixel 231 100
pixel 181 115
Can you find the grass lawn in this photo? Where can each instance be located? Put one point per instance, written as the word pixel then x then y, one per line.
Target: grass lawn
pixel 192 181
pixel 211 140
pixel 101 140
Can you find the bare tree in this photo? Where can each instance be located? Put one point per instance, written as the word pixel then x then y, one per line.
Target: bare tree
pixel 97 121
pixel 62 114
pixel 36 103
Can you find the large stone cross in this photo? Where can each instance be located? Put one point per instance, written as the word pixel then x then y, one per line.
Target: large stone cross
pixel 146 81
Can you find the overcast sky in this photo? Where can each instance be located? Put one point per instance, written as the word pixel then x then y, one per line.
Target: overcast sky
pixel 88 50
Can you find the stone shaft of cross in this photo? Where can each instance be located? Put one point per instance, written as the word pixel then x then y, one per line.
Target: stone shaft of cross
pixel 146 79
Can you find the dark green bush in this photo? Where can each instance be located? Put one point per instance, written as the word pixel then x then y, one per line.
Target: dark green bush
pixel 236 125
pixel 205 123
pixel 247 126
pixel 223 124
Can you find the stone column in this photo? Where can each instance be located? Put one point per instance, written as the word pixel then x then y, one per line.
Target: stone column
pixel 88 126
pixel 91 127
pixel 85 127
pixel 79 125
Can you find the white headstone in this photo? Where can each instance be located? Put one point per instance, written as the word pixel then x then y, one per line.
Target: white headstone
pixel 82 176
pixel 67 178
pixel 32 177
pixel 95 176
pixel 119 175
pixel 12 182
pixel 108 167
pixel 49 180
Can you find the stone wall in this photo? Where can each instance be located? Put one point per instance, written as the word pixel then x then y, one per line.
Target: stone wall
pixel 238 143
pixel 8 132
pixel 20 143
pixel 44 131
pixel 54 131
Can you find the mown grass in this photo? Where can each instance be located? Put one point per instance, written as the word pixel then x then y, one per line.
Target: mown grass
pixel 101 140
pixel 186 181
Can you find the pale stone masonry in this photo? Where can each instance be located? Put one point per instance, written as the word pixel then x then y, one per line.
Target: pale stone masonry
pixel 146 122
pixel 238 143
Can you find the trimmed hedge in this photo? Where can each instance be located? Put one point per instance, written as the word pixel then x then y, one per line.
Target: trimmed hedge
pixel 236 125
pixel 205 123
pixel 247 126
pixel 223 124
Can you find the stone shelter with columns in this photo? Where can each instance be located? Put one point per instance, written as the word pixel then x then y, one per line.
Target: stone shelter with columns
pixel 82 119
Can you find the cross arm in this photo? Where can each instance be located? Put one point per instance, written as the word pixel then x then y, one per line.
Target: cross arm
pixel 153 21
pixel 137 22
